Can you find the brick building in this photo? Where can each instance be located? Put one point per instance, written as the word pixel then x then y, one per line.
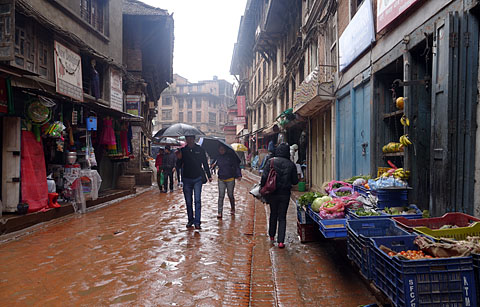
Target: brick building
pixel 203 105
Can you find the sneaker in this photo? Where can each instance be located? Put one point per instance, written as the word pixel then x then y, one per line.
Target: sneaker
pixel 219 216
pixel 272 239
pixel 189 225
pixel 163 191
pixel 281 245
pixel 198 227
pixel 232 212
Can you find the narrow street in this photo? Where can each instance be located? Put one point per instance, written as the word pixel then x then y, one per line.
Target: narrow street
pixel 138 252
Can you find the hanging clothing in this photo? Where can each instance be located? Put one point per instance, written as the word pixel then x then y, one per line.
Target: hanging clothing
pixel 124 142
pixel 129 137
pixel 108 135
pixel 95 85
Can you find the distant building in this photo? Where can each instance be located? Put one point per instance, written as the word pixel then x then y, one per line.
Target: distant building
pixel 203 105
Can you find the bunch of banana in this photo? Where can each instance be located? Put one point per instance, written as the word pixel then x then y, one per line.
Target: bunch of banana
pixel 401 173
pixel 392 147
pixel 404 140
pixel 404 120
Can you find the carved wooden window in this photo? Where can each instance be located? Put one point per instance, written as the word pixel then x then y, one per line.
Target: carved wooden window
pixel 93 12
pixel 43 55
pixel 24 46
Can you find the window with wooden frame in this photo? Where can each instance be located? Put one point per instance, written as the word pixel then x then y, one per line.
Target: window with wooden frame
pixel 94 12
pixel 212 118
pixel 166 114
pixel 180 103
pixel 198 116
pixel 198 103
pixel 180 117
pixel 24 45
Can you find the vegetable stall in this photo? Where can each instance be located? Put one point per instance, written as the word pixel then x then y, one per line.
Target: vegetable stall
pixel 412 258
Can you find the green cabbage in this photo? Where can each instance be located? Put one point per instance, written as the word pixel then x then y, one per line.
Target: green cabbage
pixel 317 203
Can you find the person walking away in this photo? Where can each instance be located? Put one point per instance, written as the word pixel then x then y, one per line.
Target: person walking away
pixel 195 172
pixel 168 165
pixel 280 198
pixel 178 167
pixel 158 165
pixel 228 171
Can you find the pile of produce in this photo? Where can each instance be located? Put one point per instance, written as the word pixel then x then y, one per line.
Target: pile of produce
pixel 399 210
pixel 366 212
pixel 410 255
pixel 429 249
pixel 308 198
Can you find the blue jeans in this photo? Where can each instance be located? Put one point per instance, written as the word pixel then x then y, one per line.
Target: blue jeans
pixel 189 187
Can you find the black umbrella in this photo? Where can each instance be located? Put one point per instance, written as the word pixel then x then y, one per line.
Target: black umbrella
pixel 211 147
pixel 167 141
pixel 177 130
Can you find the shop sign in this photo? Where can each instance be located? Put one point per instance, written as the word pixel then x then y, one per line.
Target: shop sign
pixel 116 93
pixel 68 72
pixel 239 120
pixel 241 106
pixel 133 104
pixel 389 10
pixel 358 35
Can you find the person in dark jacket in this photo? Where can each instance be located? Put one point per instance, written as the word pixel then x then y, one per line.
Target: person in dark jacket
pixel 158 165
pixel 178 168
pixel 168 164
pixel 228 171
pixel 193 157
pixel 280 198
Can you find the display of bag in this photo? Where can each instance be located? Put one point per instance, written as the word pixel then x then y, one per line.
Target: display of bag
pixel 271 183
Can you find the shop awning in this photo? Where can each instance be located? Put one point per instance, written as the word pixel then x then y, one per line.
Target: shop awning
pixel 324 96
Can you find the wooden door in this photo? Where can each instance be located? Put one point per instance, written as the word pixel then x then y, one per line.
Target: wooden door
pixel 11 163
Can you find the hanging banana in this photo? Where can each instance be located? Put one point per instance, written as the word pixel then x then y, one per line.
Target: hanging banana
pixel 404 140
pixel 404 120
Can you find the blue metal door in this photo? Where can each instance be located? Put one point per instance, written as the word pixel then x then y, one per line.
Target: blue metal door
pixel 353 132
pixel 345 148
pixel 361 104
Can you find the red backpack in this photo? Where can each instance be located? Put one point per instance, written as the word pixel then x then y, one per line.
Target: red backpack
pixel 271 183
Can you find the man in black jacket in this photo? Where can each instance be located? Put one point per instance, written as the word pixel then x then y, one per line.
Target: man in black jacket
pixel 168 164
pixel 280 198
pixel 193 157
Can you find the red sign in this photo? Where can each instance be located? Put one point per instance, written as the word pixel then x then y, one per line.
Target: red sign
pixel 389 10
pixel 241 106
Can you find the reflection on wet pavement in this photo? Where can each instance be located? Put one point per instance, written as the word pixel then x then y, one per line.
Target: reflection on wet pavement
pixel 138 252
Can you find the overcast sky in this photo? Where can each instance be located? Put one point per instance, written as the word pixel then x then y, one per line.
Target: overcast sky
pixel 205 32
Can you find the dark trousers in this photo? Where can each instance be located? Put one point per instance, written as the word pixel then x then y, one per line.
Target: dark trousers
pixel 167 176
pixel 278 215
pixel 179 174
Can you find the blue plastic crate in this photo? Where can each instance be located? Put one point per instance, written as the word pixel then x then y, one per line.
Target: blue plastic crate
pixel 328 231
pixel 391 197
pixel 417 215
pixel 361 190
pixel 359 234
pixel 426 282
pixel 354 216
pixel 314 215
pixel 303 217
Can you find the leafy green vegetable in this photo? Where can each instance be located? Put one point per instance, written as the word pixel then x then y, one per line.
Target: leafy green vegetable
pixel 351 180
pixel 308 198
pixel 367 212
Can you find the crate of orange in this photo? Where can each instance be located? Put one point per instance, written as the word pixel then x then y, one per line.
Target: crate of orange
pixel 408 277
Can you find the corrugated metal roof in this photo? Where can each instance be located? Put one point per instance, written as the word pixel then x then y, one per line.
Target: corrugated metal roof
pixel 134 7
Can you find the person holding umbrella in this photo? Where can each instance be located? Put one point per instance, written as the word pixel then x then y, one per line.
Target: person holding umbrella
pixel 158 165
pixel 195 166
pixel 228 171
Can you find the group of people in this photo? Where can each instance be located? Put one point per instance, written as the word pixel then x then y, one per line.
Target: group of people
pixel 191 165
pixel 167 163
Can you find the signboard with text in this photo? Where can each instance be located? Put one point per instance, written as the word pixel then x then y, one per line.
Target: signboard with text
pixel 361 31
pixel 133 104
pixel 116 93
pixel 389 10
pixel 68 72
pixel 241 106
pixel 239 120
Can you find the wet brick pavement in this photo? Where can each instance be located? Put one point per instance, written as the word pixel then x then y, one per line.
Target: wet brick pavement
pixel 138 252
